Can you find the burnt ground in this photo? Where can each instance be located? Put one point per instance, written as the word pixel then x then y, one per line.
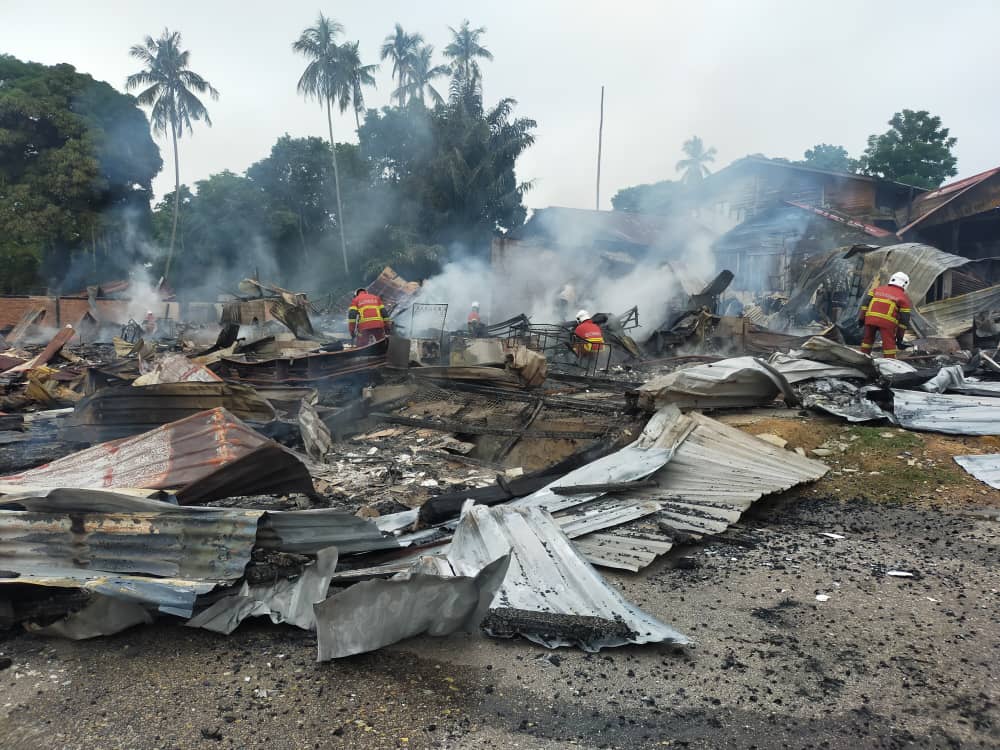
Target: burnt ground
pixel 885 662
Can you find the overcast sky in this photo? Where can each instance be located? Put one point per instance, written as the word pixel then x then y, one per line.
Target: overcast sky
pixel 748 77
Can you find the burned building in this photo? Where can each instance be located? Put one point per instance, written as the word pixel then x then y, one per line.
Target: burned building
pixel 771 216
pixel 962 217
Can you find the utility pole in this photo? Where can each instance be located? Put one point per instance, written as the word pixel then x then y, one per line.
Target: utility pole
pixel 600 139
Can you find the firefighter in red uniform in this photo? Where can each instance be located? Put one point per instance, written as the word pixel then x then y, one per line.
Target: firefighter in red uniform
pixel 588 340
pixel 366 318
pixel 886 310
pixel 474 322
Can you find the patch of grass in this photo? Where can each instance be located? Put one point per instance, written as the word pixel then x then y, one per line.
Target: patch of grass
pixel 870 439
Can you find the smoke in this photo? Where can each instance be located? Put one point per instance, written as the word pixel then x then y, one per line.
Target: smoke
pixel 577 263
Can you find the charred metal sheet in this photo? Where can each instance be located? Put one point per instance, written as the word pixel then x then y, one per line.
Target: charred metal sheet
pixel 191 544
pixel 948 413
pixel 952 380
pixel 956 315
pixel 308 531
pixel 376 613
pixel 208 456
pixel 284 601
pixel 171 596
pixel 314 367
pixel 603 514
pixel 843 399
pixel 121 411
pixel 984 468
pixel 922 263
pixel 547 575
pixel 103 615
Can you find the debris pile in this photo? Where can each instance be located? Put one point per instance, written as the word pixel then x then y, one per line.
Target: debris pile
pixel 458 480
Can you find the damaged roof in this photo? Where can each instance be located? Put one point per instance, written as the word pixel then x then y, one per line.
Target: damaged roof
pixel 955 200
pixel 207 456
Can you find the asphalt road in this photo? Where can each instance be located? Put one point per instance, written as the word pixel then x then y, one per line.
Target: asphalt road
pixel 881 662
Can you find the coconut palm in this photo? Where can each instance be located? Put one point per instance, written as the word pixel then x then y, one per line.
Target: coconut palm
pixel 698 156
pixel 465 51
pixel 355 77
pixel 402 49
pixel 422 75
pixel 324 78
pixel 168 87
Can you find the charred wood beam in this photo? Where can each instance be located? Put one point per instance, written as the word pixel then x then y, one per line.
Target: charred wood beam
pixel 530 414
pixel 467 428
pixel 611 487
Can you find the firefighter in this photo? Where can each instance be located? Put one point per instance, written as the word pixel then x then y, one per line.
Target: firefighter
pixel 366 318
pixel 887 311
pixel 588 340
pixel 474 322
pixel 149 323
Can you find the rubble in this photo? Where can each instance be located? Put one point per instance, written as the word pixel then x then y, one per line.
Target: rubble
pixel 433 485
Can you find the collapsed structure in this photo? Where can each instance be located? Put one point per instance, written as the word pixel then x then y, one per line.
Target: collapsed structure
pixel 454 477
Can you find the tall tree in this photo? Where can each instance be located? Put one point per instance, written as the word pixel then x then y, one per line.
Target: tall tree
pixel 169 86
pixel 325 80
pixel 422 74
pixel 698 156
pixel 830 158
pixel 915 150
pixel 465 52
pixel 76 165
pixel 356 76
pixel 402 49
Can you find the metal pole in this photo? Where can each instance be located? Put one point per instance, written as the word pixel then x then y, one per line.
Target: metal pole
pixel 600 139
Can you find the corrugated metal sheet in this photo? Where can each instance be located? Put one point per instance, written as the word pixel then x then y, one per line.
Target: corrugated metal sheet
pixel 623 549
pixel 984 468
pixel 120 411
pixel 922 263
pixel 736 382
pixel 211 546
pixel 952 317
pixel 718 472
pixel 309 531
pixel 924 207
pixel 171 596
pixel 207 456
pixel 947 413
pixel 546 574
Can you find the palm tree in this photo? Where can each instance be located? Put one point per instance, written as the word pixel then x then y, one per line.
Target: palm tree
pixel 698 156
pixel 169 88
pixel 464 50
pixel 402 49
pixel 325 79
pixel 355 76
pixel 422 74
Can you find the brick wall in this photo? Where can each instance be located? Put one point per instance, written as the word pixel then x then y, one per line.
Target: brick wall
pixel 72 309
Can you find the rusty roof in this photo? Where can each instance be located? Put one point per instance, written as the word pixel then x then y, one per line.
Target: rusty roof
pixel 926 205
pixel 208 456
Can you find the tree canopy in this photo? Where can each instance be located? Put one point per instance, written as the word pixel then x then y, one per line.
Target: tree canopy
pixel 915 150
pixel 76 167
pixel 829 157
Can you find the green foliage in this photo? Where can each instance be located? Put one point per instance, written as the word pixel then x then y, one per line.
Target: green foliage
pixel 648 199
pixel 915 150
pixel 830 158
pixel 76 167
pixel 694 166
pixel 465 51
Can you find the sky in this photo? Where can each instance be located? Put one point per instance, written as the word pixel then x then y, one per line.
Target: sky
pixel 755 76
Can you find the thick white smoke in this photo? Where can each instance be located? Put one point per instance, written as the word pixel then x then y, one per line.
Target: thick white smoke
pixel 529 278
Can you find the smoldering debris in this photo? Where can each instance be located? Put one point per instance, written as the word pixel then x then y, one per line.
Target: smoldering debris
pixel 264 462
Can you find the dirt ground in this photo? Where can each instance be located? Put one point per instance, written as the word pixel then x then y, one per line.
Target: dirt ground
pixel 804 640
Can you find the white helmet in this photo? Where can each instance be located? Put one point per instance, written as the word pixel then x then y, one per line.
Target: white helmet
pixel 475 305
pixel 582 316
pixel 900 279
